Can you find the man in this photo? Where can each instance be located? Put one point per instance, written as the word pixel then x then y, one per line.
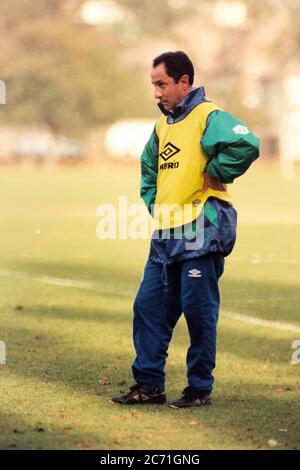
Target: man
pixel 195 150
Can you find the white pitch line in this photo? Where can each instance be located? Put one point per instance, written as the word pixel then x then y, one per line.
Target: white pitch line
pixel 260 321
pixel 64 282
pixel 127 293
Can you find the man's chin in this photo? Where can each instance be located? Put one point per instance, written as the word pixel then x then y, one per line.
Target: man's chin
pixel 166 106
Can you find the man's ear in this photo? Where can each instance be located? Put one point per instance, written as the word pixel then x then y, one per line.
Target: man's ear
pixel 184 79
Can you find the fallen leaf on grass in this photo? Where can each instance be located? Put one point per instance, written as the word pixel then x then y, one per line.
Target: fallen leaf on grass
pixel 39 429
pixel 84 445
pixel 104 382
pixel 273 443
pixel 282 389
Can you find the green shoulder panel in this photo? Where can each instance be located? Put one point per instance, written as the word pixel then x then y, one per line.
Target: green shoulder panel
pixel 149 171
pixel 231 146
pixel 211 213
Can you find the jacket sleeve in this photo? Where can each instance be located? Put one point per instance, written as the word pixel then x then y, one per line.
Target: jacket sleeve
pixel 149 171
pixel 230 146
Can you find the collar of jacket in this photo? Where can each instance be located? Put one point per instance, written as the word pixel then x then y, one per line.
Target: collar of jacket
pixel 185 106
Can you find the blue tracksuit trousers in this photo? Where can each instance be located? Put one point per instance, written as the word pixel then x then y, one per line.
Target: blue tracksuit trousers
pixel 193 290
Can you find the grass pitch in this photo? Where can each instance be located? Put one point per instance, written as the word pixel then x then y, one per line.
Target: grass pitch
pixel 69 345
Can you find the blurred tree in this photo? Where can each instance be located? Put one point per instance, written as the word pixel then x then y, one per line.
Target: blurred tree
pixel 65 75
pixel 69 76
pixel 154 17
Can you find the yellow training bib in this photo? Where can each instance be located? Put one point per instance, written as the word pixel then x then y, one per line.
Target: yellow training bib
pixel 179 199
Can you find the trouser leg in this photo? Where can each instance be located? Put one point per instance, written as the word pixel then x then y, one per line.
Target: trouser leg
pixel 155 315
pixel 200 303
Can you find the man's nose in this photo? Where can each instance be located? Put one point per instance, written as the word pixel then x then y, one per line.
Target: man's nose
pixel 157 94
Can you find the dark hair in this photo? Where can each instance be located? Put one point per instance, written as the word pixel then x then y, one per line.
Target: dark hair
pixel 177 64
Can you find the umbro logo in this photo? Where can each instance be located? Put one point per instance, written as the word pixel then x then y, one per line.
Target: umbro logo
pixel 239 129
pixel 195 273
pixel 196 202
pixel 140 397
pixel 169 151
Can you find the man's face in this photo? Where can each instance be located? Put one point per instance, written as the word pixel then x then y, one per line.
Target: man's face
pixel 166 90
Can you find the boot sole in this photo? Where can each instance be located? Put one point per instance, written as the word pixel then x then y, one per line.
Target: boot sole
pixel 170 405
pixel 137 403
pixel 144 402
